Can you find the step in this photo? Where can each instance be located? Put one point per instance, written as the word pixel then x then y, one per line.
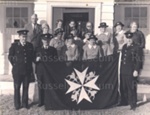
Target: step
pixel 145 73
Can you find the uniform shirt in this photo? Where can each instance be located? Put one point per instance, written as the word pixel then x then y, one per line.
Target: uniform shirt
pixel 91 52
pixel 104 38
pixel 130 60
pixel 21 58
pixel 58 44
pixel 106 42
pixel 71 52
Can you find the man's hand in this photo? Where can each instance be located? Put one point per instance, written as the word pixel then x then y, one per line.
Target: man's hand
pixel 38 59
pixel 135 73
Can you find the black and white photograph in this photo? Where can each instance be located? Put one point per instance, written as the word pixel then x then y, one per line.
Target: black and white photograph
pixel 74 57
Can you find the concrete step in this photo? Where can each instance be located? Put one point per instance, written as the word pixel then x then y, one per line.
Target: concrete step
pixel 145 73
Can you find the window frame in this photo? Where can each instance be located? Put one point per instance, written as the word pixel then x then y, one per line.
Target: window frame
pixel 29 6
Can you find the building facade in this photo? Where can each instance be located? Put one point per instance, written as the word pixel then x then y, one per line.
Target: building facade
pixel 15 14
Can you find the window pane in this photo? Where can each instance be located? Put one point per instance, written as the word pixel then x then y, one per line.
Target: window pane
pixel 24 12
pixel 16 12
pixel 136 20
pixel 127 12
pixel 9 12
pixel 143 23
pixel 127 22
pixel 143 12
pixel 23 21
pixel 135 11
pixel 16 23
pixel 9 22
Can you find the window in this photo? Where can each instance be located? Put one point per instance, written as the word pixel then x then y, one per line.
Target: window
pixel 16 17
pixel 138 14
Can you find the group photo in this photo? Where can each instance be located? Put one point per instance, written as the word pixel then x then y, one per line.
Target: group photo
pixel 75 58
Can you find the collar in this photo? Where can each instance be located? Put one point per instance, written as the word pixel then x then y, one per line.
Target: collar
pixel 34 25
pixel 106 33
pixel 90 46
pixel 76 38
pixel 73 45
pixel 122 31
pixel 130 45
pixel 22 44
pixel 45 47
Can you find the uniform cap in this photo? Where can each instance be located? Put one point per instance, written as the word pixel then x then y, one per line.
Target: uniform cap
pixel 119 23
pixel 129 35
pixel 22 32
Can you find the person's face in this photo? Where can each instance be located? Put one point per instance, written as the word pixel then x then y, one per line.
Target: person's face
pixel 102 29
pixel 34 19
pixel 118 28
pixel 45 42
pixel 23 38
pixel 74 33
pixel 87 35
pixel 59 24
pixel 92 41
pixel 72 24
pixel 45 30
pixel 70 41
pixel 134 27
pixel 89 26
pixel 59 35
pixel 129 41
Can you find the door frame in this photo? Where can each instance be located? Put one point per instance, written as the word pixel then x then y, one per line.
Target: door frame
pixel 96 5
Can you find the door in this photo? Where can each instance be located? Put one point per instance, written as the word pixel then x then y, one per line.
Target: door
pixel 79 18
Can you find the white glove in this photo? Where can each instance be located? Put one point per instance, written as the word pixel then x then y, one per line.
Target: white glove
pixel 135 73
pixel 38 59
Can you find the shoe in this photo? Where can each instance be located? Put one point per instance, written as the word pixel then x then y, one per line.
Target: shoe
pixel 25 106
pixel 17 108
pixel 39 105
pixel 133 108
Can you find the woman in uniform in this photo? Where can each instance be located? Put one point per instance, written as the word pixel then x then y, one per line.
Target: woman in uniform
pixel 70 50
pixel 119 37
pixel 92 50
pixel 45 30
pixel 57 42
pixel 105 40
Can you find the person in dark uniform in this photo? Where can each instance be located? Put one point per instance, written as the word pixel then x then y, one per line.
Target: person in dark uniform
pixel 44 54
pixel 130 66
pixel 21 58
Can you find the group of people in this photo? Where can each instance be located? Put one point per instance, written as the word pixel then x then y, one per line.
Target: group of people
pixel 37 45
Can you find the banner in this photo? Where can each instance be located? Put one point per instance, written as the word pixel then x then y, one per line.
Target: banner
pixel 90 84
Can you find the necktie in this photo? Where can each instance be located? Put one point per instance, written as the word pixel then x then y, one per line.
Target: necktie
pixel 34 29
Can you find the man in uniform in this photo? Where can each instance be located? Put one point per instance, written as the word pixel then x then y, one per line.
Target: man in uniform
pixel 44 54
pixel 21 57
pixel 130 66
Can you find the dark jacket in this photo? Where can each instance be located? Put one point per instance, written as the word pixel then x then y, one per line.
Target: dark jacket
pixel 46 55
pixel 130 60
pixel 139 38
pixel 21 58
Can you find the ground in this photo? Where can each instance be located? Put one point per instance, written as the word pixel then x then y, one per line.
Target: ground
pixel 7 108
